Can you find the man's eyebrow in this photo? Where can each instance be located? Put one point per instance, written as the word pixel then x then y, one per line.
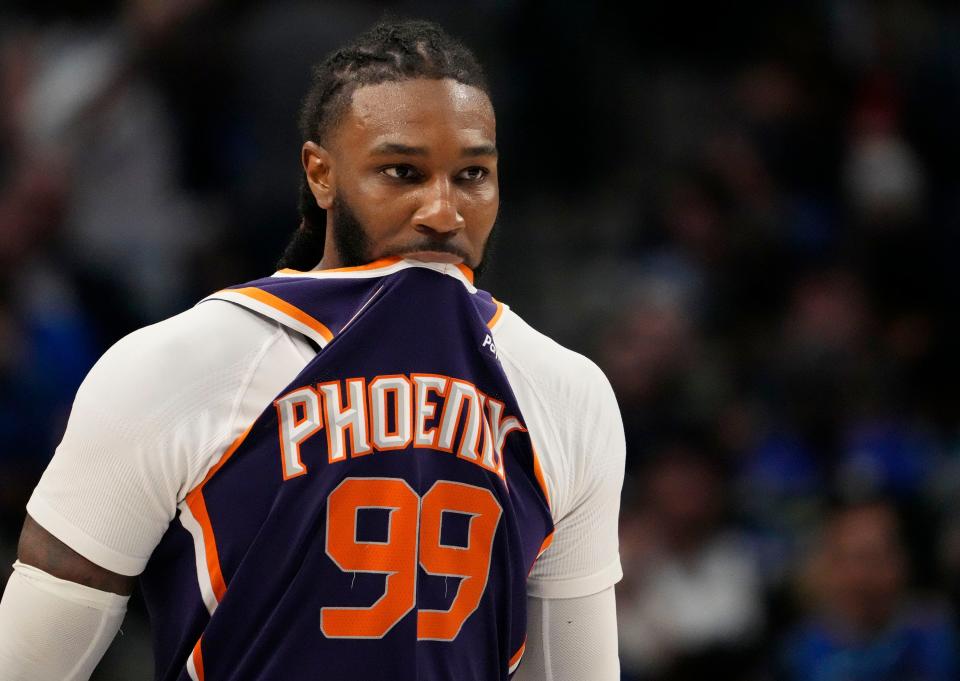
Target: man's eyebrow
pixel 480 150
pixel 397 149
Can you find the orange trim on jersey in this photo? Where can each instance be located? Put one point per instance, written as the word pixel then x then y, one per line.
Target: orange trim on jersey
pixel 467 272
pixel 496 315
pixel 538 473
pixel 376 264
pixel 286 308
pixel 223 459
pixel 546 543
pixel 543 547
pixel 197 655
pixel 198 507
pixel 382 262
pixel 517 655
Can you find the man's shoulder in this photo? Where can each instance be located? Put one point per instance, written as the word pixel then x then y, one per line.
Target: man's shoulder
pixel 209 331
pixel 194 345
pixel 545 362
pixel 569 409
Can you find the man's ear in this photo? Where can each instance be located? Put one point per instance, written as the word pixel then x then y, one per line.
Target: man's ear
pixel 318 167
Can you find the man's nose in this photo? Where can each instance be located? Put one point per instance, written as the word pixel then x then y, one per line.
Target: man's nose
pixel 439 211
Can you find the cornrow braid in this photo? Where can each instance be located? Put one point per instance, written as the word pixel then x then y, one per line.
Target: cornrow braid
pixel 389 51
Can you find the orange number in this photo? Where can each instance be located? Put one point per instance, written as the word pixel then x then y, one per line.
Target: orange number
pixel 472 563
pixel 397 557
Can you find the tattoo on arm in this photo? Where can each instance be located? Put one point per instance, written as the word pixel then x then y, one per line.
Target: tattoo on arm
pixel 42 550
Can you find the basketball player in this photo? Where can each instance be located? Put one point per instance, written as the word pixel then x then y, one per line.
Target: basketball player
pixel 360 467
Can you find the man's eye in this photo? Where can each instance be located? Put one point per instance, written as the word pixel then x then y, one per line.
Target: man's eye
pixel 475 173
pixel 401 172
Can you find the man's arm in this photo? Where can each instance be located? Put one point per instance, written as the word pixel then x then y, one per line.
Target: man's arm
pixel 571 639
pixel 148 421
pixel 59 611
pixel 42 550
pixel 572 627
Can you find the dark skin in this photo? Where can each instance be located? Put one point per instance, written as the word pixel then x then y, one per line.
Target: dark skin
pixel 417 162
pixel 41 549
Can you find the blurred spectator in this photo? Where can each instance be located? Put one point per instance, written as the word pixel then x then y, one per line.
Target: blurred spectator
pixel 864 625
pixel 81 111
pixel 882 175
pixel 649 354
pixel 887 456
pixel 48 342
pixel 690 605
pixel 778 491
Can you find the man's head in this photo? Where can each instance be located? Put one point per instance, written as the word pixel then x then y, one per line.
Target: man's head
pixel 860 569
pixel 399 153
pixel 684 494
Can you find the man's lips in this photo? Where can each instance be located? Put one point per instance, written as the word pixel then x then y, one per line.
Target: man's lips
pixel 434 256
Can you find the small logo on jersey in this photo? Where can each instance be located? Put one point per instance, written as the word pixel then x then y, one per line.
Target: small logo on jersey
pixel 488 342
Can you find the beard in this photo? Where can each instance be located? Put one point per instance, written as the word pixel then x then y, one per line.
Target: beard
pixel 305 248
pixel 351 238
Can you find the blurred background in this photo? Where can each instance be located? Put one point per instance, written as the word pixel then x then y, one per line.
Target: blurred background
pixel 747 213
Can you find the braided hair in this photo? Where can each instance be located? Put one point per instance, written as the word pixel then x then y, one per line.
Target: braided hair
pixel 389 51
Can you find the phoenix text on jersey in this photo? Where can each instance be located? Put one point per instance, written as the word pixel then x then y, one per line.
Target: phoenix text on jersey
pixel 393 412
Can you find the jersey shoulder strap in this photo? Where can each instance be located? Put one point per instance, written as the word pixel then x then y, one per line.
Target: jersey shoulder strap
pixel 320 304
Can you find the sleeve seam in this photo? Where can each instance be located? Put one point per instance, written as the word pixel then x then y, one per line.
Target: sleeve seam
pixel 222 441
pixel 585 585
pixel 82 542
pixel 576 482
pixel 540 395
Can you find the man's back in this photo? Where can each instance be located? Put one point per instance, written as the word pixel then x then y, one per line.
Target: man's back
pixel 249 563
pixel 348 527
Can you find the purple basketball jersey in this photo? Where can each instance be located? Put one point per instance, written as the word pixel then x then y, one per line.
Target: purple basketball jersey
pixel 379 519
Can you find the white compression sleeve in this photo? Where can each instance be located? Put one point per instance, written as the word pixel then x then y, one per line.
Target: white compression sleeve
pixel 571 639
pixel 54 629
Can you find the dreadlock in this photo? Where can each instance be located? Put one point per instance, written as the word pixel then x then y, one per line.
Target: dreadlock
pixel 390 51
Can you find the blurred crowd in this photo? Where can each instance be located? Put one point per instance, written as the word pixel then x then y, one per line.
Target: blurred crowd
pixel 749 216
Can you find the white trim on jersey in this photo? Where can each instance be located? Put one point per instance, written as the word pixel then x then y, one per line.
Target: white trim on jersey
pixel 519 653
pixel 190 523
pixel 367 272
pixel 269 311
pixel 192 668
